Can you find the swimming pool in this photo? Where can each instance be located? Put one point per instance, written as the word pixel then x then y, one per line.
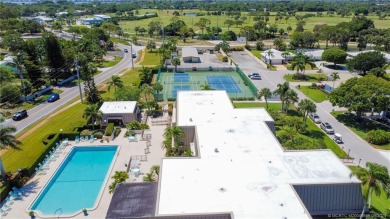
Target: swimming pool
pixel 77 183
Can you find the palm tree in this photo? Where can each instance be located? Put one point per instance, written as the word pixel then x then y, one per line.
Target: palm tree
pixel 155 169
pixel 92 114
pixel 335 76
pixel 374 176
pixel 266 93
pixel 281 92
pixel 145 75
pixel 119 177
pixel 298 63
pixel 157 87
pixel 7 139
pixel 115 82
pixel 147 91
pixel 149 177
pixel 306 106
pixel 174 132
pixel 206 87
pixel 19 61
pixel 176 62
pixel 269 54
pixel 285 54
pixel 290 97
pixel 308 61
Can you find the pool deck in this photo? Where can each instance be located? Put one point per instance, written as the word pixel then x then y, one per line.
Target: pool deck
pixel 127 149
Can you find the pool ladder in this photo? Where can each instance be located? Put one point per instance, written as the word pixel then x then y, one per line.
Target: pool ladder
pixel 60 209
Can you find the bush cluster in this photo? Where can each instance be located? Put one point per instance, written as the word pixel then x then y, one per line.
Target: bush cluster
pixel 242 98
pixel 117 131
pixel 225 59
pixel 109 129
pixel 378 137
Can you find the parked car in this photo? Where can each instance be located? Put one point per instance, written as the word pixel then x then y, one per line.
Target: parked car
pixel 327 128
pixel 125 50
pixel 254 76
pixel 134 55
pixel 20 114
pixel 53 97
pixel 315 118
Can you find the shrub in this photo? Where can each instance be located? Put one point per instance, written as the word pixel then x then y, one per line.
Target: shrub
pixel 378 137
pixel 117 131
pixel 248 47
pixel 86 132
pixel 48 137
pixel 171 99
pixel 313 86
pixel 299 76
pixel 109 129
pixel 225 59
pixel 98 134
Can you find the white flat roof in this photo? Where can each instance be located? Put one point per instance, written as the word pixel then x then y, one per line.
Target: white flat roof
pixel 189 52
pixel 118 107
pixel 250 175
pixel 276 54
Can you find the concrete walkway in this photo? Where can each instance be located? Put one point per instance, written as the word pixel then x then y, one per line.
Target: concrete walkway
pixel 354 145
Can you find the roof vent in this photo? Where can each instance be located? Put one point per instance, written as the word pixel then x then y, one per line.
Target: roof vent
pixel 216 150
pixel 190 119
pixel 222 189
pixel 269 161
pixel 281 204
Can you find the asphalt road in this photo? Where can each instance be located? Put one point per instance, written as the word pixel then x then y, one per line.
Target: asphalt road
pixel 353 144
pixel 70 93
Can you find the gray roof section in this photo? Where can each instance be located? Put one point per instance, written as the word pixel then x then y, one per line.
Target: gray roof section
pixel 133 200
pixel 189 52
pixel 323 199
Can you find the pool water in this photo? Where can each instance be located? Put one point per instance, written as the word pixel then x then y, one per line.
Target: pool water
pixel 77 182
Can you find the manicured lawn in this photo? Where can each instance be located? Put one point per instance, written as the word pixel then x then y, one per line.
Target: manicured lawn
pixel 312 130
pixel 257 53
pixel 311 77
pixel 360 127
pixel 33 147
pixel 151 58
pixel 380 203
pixel 129 78
pixel 121 41
pixel 316 95
pixel 307 67
pixel 116 60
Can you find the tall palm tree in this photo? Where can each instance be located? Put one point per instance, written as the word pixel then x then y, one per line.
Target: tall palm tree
pixel 174 132
pixel 266 93
pixel 335 76
pixel 298 62
pixel 306 106
pixel 290 97
pixel 145 75
pixel 176 62
pixel 269 53
pixel 281 92
pixel 92 114
pixel 157 87
pixel 115 82
pixel 149 177
pixel 7 139
pixel 308 61
pixel 374 176
pixel 147 91
pixel 206 87
pixel 285 54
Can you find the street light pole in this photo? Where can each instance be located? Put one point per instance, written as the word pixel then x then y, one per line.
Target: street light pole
pixel 132 58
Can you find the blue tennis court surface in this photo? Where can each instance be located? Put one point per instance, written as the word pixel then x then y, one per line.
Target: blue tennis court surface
pixel 181 77
pixel 223 83
pixel 177 88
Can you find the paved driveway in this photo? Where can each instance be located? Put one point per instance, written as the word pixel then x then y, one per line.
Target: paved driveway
pixel 354 145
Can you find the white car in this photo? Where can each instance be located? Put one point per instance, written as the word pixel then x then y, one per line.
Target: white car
pixel 315 118
pixel 254 76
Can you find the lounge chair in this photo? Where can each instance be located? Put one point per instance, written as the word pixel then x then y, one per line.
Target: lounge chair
pixel 86 138
pixel 43 166
pixel 50 158
pixel 5 208
pixel 9 201
pixel 53 154
pixel 15 195
pixel 40 172
pixel 77 139
pixel 82 138
pixel 92 139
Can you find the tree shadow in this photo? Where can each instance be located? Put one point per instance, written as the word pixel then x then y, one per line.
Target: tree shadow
pixel 360 124
pixel 337 67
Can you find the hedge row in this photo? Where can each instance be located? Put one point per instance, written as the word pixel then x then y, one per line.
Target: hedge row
pixel 242 98
pixel 109 129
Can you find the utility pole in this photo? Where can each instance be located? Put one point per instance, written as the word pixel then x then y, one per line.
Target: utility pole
pixel 76 62
pixel 132 58
pixel 21 83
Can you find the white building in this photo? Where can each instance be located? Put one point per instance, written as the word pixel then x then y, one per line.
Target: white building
pixel 315 55
pixel 43 19
pixel 190 55
pixel 119 112
pixel 62 13
pixel 276 57
pixel 239 171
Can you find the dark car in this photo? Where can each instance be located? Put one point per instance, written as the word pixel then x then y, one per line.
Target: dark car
pixel 125 50
pixel 134 55
pixel 53 97
pixel 20 114
pixel 254 76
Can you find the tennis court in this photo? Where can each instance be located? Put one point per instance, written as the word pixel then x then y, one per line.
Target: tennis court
pixel 230 81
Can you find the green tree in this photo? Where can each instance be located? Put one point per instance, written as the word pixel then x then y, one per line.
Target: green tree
pixel 10 93
pixel 203 23
pixel 57 26
pixel 174 132
pixel 7 139
pixel 378 72
pixel 91 92
pixel 229 23
pixel 147 92
pixel 176 62
pixel 119 177
pixel 128 94
pixel 206 87
pixel 149 177
pixel 374 176
pixel 145 75
pixel 269 53
pixel 281 92
pixel 290 98
pixel 92 114
pixel 335 76
pixel 55 58
pixel 266 93
pixel 364 62
pixel 6 75
pixel 334 55
pixel 306 106
pixel 224 45
pixel 115 82
pixel 109 27
pixel 151 44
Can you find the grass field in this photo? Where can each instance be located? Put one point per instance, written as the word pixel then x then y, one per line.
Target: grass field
pixel 151 58
pixel 166 15
pixel 360 127
pixel 311 77
pixel 111 63
pixel 256 53
pixel 316 95
pixel 307 67
pixel 32 144
pixel 313 131
pixel 380 203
